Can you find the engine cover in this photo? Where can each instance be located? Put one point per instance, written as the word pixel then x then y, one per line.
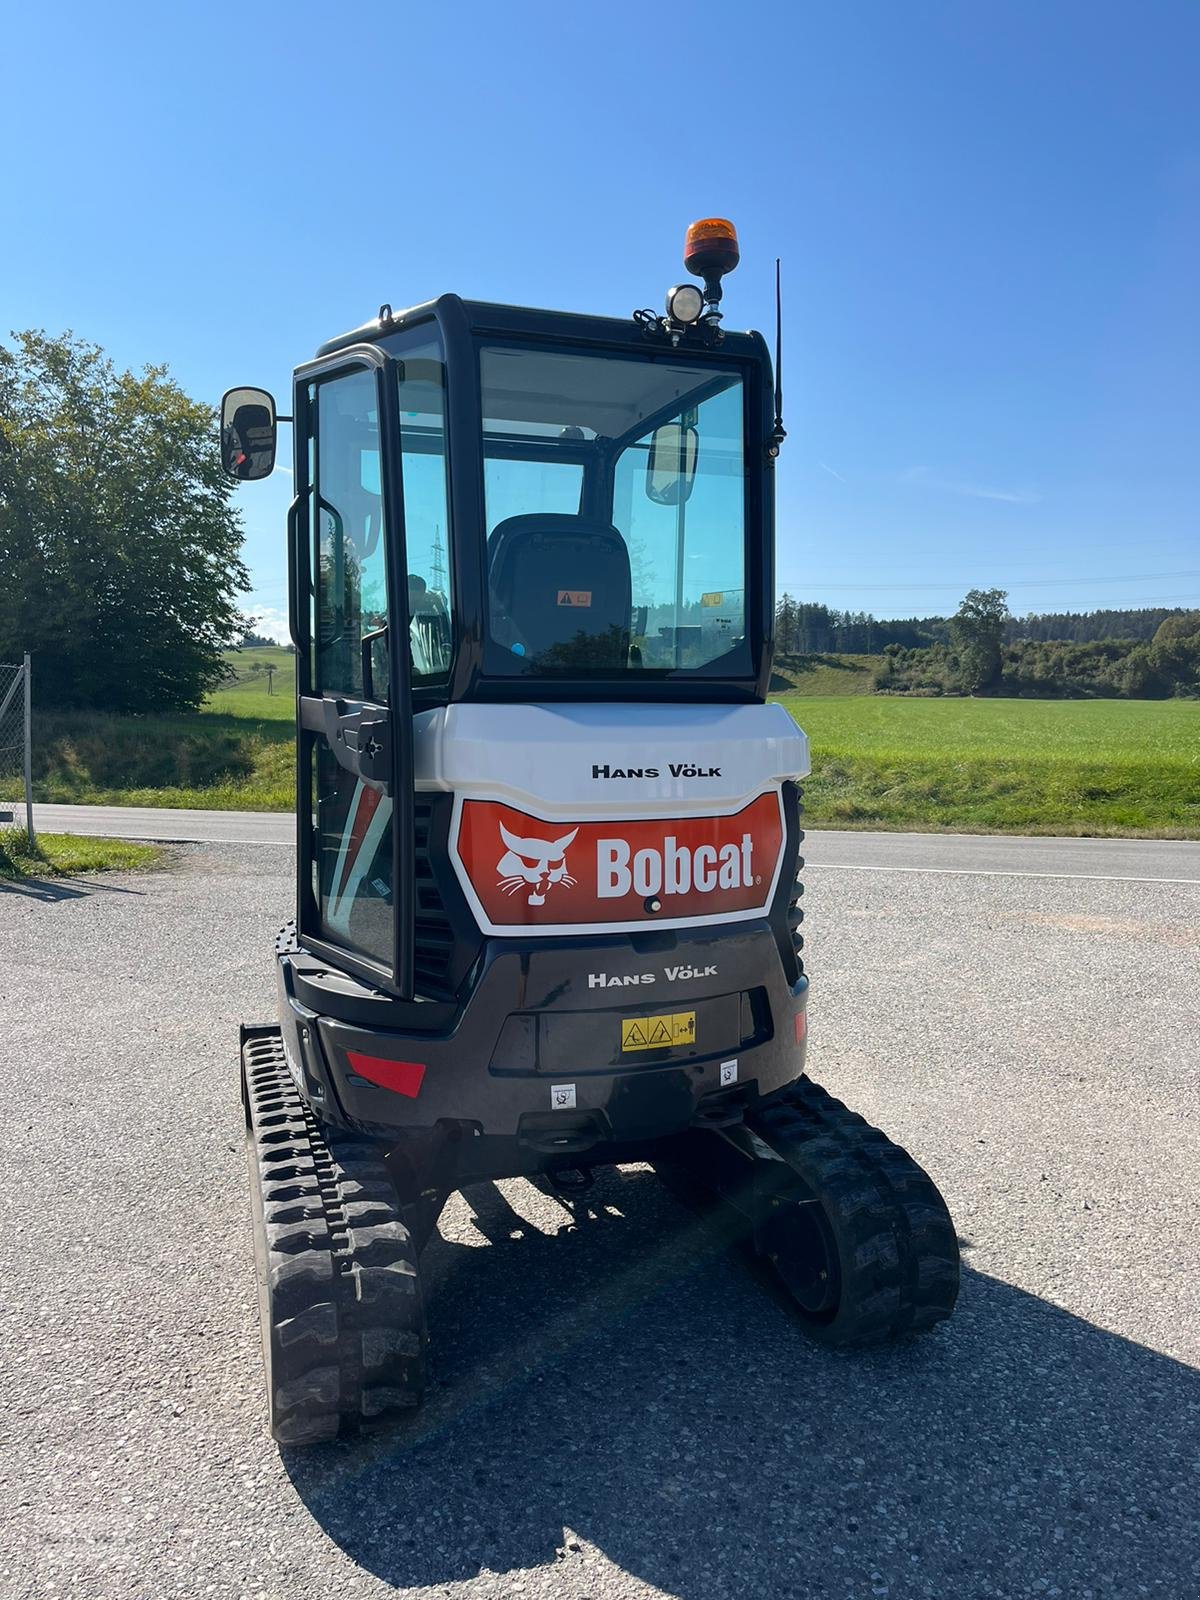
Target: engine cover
pixel 587 817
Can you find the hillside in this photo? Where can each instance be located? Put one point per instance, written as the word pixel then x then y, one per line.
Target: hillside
pixel 824 674
pixel 254 691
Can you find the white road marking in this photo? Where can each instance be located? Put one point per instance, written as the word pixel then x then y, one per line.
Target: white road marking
pixel 162 838
pixel 988 872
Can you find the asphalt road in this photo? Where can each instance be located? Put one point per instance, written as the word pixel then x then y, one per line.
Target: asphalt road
pixel 168 824
pixel 621 1411
pixel 1168 860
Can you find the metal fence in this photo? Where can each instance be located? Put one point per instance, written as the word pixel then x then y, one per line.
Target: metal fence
pixel 16 749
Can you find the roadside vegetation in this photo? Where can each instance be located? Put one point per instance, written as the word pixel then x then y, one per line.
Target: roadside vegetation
pixel 57 855
pixel 235 754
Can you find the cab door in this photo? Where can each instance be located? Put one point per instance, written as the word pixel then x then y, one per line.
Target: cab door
pixel 355 788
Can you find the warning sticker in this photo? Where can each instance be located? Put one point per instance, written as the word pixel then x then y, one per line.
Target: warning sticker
pixel 574 597
pixel 658 1033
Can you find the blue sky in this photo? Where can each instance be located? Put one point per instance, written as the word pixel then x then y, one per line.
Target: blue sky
pixel 989 217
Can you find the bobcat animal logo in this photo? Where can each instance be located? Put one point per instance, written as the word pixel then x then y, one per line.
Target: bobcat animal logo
pixel 534 864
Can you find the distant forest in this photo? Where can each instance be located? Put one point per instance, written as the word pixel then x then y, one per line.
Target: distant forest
pixel 807 629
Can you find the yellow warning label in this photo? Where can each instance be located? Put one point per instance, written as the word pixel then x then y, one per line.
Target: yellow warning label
pixel 715 597
pixel 574 597
pixel 658 1033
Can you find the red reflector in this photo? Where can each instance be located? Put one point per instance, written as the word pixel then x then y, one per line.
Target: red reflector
pixel 402 1077
pixel 801 1021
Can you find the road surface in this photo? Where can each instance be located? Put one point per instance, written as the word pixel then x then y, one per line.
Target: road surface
pixel 1163 860
pixel 621 1412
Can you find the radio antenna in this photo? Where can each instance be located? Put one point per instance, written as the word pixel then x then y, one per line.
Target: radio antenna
pixel 778 432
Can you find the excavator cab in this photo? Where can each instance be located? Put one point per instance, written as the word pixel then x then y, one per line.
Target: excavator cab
pixel 548 905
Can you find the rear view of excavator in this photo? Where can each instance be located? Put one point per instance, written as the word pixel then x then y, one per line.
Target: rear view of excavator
pixel 548 896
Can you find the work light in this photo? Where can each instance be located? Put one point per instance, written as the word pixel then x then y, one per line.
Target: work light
pixel 684 303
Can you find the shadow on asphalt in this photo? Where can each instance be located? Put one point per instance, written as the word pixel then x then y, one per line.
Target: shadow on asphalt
pixel 47 889
pixel 52 890
pixel 630 1382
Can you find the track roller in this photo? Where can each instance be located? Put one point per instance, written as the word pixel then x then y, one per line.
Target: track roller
pixel 856 1230
pixel 339 1290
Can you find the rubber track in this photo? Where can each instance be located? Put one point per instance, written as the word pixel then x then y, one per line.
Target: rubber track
pixel 343 1319
pixel 898 1251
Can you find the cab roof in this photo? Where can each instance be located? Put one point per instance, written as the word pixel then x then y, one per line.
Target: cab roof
pixel 486 317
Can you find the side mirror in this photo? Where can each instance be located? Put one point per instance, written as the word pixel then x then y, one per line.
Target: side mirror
pixel 671 470
pixel 248 433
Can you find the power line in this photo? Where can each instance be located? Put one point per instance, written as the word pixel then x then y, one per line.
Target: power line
pixel 1148 602
pixel 1010 583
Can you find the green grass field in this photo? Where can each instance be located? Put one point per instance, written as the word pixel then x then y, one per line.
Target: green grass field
pixel 879 761
pixel 1004 766
pixel 257 692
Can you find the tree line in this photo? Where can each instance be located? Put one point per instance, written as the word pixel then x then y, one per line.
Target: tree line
pixel 809 628
pixel 978 658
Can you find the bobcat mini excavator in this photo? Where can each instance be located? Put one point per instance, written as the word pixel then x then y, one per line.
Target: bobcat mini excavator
pixel 547 903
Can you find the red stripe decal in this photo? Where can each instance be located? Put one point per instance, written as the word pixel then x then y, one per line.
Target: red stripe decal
pixel 402 1077
pixel 368 800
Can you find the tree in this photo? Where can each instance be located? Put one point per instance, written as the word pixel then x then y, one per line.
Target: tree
pixel 1175 652
pixel 785 625
pixel 977 632
pixel 119 547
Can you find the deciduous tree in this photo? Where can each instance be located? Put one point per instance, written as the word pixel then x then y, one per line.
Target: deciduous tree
pixel 119 547
pixel 977 631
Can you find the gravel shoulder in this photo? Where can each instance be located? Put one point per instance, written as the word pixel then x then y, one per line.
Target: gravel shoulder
pixel 620 1410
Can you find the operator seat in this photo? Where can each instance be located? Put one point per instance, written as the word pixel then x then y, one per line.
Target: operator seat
pixel 561 587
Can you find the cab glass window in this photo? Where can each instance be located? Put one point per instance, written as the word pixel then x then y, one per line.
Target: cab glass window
pixel 616 523
pixel 351 576
pixel 422 381
pixel 688 558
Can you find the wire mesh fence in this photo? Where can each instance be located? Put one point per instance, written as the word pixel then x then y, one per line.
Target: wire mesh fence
pixel 16 794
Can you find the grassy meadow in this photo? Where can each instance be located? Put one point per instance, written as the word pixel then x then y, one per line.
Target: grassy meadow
pixel 263 686
pixel 1003 766
pixel 879 761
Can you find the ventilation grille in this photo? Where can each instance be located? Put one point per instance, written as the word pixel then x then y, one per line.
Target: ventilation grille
pixel 795 909
pixel 433 950
pixel 796 915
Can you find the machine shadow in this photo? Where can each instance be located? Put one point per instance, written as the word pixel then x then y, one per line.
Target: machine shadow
pixel 49 890
pixel 54 890
pixel 631 1383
